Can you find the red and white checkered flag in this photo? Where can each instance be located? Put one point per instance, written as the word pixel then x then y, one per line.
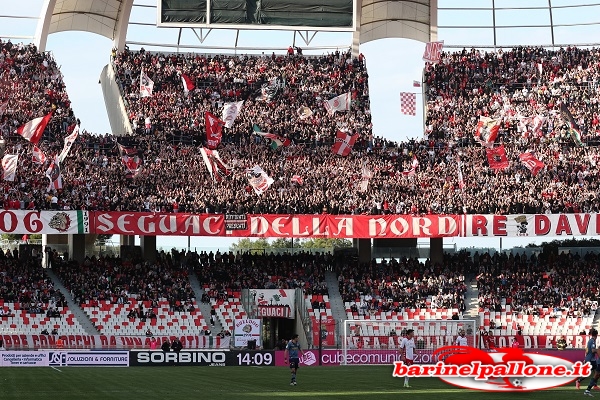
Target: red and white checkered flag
pixel 408 103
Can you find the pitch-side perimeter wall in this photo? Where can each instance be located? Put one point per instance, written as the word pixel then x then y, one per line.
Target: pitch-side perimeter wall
pixel 332 226
pixel 98 342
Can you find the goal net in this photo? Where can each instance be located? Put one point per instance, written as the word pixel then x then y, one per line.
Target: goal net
pixel 367 342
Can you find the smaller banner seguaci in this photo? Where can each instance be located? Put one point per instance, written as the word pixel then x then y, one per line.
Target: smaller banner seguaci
pixel 279 303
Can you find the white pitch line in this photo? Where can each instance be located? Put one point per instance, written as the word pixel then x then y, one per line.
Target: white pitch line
pixel 56 369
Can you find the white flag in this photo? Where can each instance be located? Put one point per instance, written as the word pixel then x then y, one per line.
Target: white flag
pixel 69 140
pixel 339 103
pixel 9 166
pixel 231 111
pixel 259 179
pixel 3 107
pixel 146 85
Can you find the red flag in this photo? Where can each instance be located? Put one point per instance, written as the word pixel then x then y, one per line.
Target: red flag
pixel 433 52
pixel 133 164
pixel 297 179
pixel 487 130
pixel 497 157
pixel 343 143
pixel 214 128
pixel 533 164
pixel 187 83
pixel 217 169
pixel 34 129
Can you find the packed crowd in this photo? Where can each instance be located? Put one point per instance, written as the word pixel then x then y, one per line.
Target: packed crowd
pixel 539 285
pixel 263 271
pixel 413 177
pixel 25 284
pixel 274 88
pixel 514 85
pixel 31 86
pixel 396 285
pixel 119 280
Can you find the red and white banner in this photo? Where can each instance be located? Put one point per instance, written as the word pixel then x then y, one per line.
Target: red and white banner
pixel 273 312
pixel 338 103
pixel 9 166
pixel 532 225
pixel 217 169
pixel 69 140
pixel 159 224
pixel 38 156
pixel 539 341
pixel 533 164
pixel 34 129
pixel 326 330
pixel 433 52
pixel 487 130
pixel 146 85
pixel 408 103
pixel 53 173
pixel 258 179
pixel 214 128
pixel 496 157
pixel 351 226
pixel 187 83
pixel 301 226
pixel 274 302
pixel 133 164
pixel 343 143
pixel 23 342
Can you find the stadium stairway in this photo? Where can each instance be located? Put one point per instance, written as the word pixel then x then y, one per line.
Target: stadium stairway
pixel 205 308
pixel 81 316
pixel 338 310
pixel 472 299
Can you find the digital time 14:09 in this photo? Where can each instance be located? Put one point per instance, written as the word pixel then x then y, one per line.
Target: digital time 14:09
pixel 257 358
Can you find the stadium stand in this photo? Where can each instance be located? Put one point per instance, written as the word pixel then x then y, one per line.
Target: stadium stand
pixel 29 304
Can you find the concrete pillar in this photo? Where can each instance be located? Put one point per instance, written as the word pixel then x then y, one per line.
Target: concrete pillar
pixel 436 250
pixel 364 249
pixel 77 243
pixel 148 244
pixel 59 243
pixel 127 240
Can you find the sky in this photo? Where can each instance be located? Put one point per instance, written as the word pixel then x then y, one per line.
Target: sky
pixel 393 64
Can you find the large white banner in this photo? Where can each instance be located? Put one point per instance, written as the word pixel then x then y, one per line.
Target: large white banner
pixel 246 329
pixel 531 225
pixel 52 222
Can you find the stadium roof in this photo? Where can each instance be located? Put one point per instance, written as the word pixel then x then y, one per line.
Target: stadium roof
pixel 461 23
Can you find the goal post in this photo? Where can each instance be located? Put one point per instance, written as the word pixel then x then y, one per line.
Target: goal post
pixel 376 342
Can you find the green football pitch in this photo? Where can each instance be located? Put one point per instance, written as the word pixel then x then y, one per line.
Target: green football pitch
pixel 163 383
